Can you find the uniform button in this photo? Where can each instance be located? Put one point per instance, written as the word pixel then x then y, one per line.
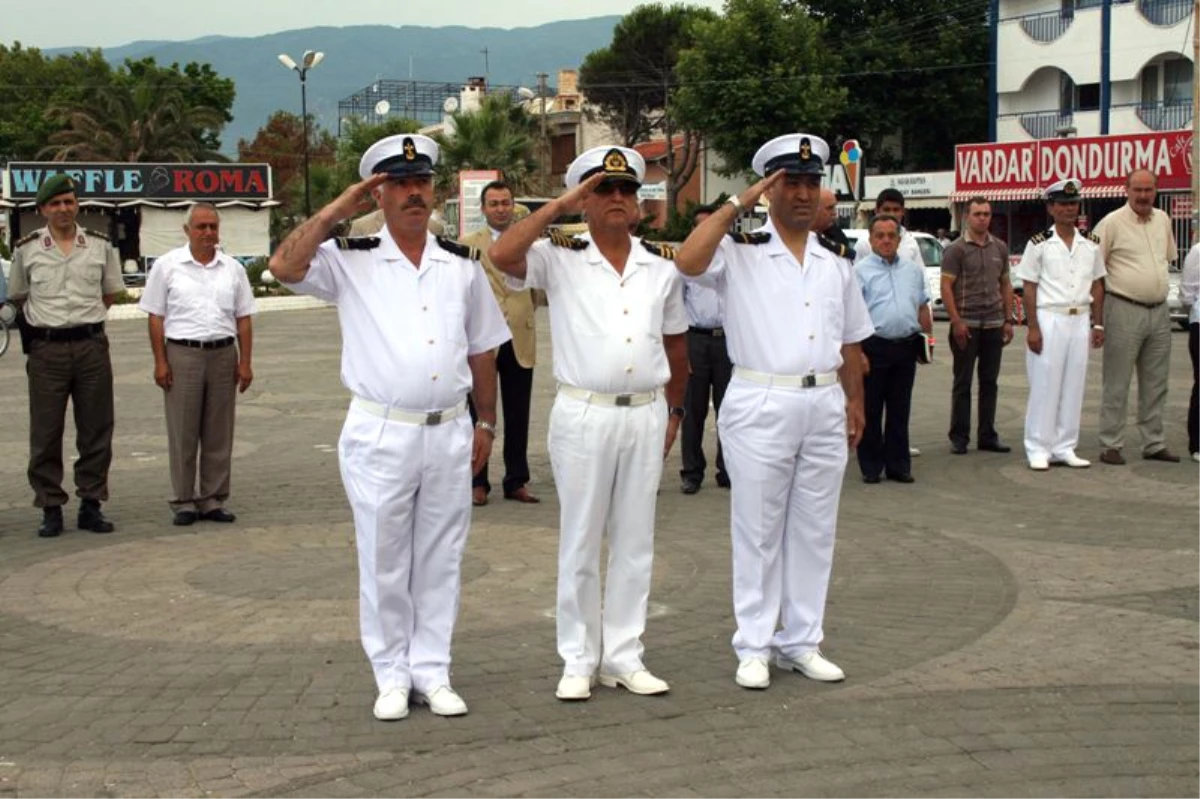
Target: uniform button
pixel 807 304
pixel 811 336
pixel 430 341
pixel 628 341
pixel 628 369
pixel 435 377
pixel 627 312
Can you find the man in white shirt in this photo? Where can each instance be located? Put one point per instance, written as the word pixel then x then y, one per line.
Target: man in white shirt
pixel 794 318
pixel 199 303
pixel 1063 272
pixel 419 330
pixel 617 325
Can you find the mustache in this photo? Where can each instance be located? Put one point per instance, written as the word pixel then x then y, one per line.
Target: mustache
pixel 416 201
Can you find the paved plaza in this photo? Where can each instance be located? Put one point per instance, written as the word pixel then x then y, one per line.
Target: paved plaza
pixel 1004 632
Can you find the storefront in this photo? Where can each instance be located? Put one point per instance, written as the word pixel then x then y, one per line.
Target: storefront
pixel 1012 175
pixel 926 198
pixel 141 207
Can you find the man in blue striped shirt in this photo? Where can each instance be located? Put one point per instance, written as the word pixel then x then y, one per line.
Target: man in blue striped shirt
pixel 895 292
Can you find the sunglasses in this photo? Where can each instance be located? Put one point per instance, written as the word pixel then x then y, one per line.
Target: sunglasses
pixel 626 188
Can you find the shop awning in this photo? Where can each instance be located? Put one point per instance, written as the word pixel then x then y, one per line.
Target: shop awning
pixel 926 202
pixel 1102 191
pixel 997 195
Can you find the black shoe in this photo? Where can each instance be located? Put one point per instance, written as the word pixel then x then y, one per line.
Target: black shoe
pixel 690 486
pixel 995 446
pixel 957 448
pixel 723 481
pixel 902 478
pixel 52 522
pixel 871 479
pixel 218 515
pixel 91 518
pixel 184 518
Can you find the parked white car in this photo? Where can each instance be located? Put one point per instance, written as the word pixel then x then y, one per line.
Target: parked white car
pixel 931 253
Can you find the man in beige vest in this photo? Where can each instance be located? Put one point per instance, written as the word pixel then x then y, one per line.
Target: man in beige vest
pixel 515 359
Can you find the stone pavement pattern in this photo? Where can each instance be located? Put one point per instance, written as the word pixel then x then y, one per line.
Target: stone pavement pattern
pixel 1004 632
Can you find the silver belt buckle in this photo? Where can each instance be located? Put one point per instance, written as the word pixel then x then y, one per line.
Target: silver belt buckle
pixel 718 332
pixel 1073 312
pixel 433 417
pixel 809 381
pixel 624 400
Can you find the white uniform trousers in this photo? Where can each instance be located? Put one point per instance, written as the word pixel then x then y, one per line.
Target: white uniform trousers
pixel 1056 382
pixel 786 451
pixel 409 487
pixel 607 463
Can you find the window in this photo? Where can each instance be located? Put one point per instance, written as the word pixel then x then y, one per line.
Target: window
pixel 1150 85
pixel 1087 97
pixel 1066 94
pixel 1177 81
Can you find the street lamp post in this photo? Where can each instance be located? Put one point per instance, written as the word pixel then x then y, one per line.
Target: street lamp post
pixel 311 59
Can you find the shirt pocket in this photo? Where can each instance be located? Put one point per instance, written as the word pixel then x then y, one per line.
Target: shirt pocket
pixel 46 280
pixel 454 322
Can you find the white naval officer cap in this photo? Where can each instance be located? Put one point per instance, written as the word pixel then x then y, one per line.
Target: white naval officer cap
pixel 403 155
pixel 617 163
pixel 1065 191
pixel 797 153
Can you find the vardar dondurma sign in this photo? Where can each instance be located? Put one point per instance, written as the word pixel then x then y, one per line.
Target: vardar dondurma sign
pixel 145 181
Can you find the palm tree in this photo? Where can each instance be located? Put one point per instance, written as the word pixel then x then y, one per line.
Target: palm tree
pixel 500 135
pixel 133 123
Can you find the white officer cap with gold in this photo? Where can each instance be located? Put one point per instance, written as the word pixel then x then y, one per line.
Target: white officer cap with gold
pixel 797 153
pixel 404 155
pixel 1065 191
pixel 617 163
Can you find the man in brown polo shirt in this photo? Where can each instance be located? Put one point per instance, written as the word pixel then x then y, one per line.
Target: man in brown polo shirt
pixel 1138 248
pixel 978 296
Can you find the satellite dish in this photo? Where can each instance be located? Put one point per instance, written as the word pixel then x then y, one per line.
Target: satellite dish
pixel 525 93
pixel 451 105
pixel 382 107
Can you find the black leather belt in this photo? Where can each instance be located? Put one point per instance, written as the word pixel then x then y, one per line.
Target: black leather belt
pixel 214 344
pixel 1139 303
pixel 716 332
pixel 65 333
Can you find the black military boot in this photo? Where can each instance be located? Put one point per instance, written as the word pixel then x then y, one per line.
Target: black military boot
pixel 90 518
pixel 52 523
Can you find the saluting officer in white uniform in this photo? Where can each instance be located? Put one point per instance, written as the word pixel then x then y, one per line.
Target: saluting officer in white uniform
pixel 617 323
pixel 794 317
pixel 1063 270
pixel 419 326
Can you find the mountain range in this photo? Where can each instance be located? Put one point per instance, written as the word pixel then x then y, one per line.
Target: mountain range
pixel 357 56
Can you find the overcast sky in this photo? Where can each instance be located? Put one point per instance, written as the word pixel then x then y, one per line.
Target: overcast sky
pixel 117 22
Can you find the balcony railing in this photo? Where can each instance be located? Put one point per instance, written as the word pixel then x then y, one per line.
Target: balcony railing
pixel 1165 12
pixel 1164 116
pixel 1045 124
pixel 1048 26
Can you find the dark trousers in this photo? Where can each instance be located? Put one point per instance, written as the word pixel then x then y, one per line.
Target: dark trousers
pixel 200 409
pixel 1193 421
pixel 887 392
pixel 81 372
pixel 516 388
pixel 708 358
pixel 984 346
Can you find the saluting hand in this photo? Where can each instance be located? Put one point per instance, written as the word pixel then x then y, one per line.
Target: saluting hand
pixel 749 197
pixel 572 201
pixel 357 199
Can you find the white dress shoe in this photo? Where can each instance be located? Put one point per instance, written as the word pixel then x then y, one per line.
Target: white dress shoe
pixel 1039 464
pixel 573 688
pixel 1074 461
pixel 392 704
pixel 812 665
pixel 443 701
pixel 753 673
pixel 636 682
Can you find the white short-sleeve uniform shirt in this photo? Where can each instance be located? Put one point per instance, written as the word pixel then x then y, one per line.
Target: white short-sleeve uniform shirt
pixel 407 331
pixel 1064 274
pixel 783 317
pixel 607 328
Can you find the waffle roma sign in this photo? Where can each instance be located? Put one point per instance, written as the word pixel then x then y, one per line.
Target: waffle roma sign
pixel 145 181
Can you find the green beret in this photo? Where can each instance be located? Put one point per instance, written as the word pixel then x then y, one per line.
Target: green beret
pixel 54 186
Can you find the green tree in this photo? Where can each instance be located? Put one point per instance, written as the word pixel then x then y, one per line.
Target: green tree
pixel 358 136
pixel 199 84
pixel 631 82
pixel 280 143
pixel 760 71
pixel 30 82
pixel 499 135
pixel 925 64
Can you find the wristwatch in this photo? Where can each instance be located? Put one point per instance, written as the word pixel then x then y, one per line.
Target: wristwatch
pixel 488 426
pixel 681 412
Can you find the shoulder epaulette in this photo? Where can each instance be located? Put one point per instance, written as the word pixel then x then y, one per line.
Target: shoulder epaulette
pixel 21 242
pixel 750 238
pixel 357 242
pixel 661 250
pixel 835 247
pixel 1092 237
pixel 1039 238
pixel 96 233
pixel 563 240
pixel 461 250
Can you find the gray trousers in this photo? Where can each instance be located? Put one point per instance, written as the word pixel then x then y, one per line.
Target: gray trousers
pixel 200 410
pixel 1135 337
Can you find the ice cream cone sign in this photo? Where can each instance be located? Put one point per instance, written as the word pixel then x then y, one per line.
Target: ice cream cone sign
pixel 851 160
